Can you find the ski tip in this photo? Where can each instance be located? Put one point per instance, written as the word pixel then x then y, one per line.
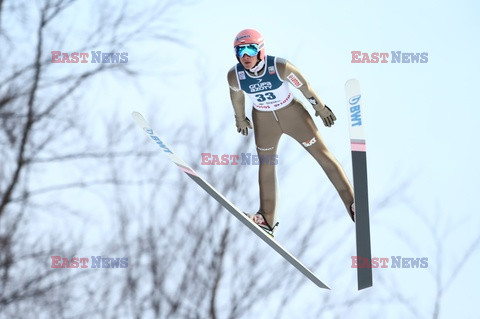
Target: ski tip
pixel 140 120
pixel 351 82
pixel 136 114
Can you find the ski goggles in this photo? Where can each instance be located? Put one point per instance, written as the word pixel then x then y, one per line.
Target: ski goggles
pixel 248 49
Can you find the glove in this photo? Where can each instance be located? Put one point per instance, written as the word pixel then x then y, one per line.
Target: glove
pixel 326 114
pixel 243 125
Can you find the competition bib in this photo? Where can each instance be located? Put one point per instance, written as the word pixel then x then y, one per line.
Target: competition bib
pixel 266 91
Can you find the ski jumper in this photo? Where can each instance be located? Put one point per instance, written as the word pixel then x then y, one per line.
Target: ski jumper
pixel 276 112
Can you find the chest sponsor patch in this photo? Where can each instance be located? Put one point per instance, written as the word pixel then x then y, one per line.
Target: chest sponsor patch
pixel 241 75
pixel 271 69
pixel 294 80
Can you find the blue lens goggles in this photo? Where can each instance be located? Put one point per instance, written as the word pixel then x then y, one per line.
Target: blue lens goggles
pixel 248 49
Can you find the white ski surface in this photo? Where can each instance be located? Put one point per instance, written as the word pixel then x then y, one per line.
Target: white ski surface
pixel 143 124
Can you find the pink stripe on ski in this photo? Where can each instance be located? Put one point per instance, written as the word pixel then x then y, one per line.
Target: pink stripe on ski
pixel 186 170
pixel 358 146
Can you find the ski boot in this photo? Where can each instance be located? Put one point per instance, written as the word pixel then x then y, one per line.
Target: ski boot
pixel 260 220
pixel 352 212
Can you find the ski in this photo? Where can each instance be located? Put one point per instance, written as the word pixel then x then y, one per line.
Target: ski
pixel 360 185
pixel 143 124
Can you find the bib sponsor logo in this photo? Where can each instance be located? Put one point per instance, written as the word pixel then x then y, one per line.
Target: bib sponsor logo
pixel 271 70
pixel 286 101
pixel 241 75
pixel 260 86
